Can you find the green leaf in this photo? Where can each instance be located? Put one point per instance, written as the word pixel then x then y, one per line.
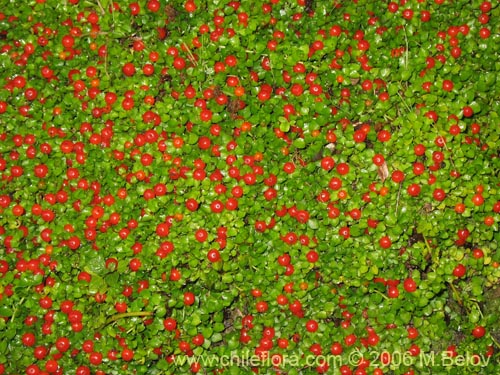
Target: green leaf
pixel 284 127
pixel 299 143
pixel 195 320
pixel 216 337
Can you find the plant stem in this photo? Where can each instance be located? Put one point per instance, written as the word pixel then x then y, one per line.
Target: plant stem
pixel 382 294
pixel 15 311
pixel 190 54
pixel 428 247
pixel 494 340
pixel 457 295
pixel 406 49
pixel 131 314
pixel 398 198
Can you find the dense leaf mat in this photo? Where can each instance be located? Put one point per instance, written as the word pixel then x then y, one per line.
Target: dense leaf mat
pixel 238 187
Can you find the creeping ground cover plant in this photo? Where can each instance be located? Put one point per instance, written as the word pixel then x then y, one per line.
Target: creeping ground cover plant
pixel 237 187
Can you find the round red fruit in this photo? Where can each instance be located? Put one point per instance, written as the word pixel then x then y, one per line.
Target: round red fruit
pixel 170 324
pixel 384 136
pixel 213 255
pixel 478 332
pixel 385 242
pixel 439 194
pixel 398 176
pixel 410 285
pixel 413 190
pixel 393 291
pixel 312 325
pixel 478 199
pixel 312 256
pixel 128 69
pixel 189 298
pixel 201 235
pixel 468 111
pixel 127 354
pixel 477 253
pixel 459 270
pixel 327 163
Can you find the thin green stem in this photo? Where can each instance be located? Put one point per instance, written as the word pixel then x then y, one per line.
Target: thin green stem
pixel 101 7
pixel 406 50
pixel 398 198
pixel 131 314
pixel 404 102
pixel 497 344
pixel 456 295
pixel 382 294
pixel 428 247
pixel 15 311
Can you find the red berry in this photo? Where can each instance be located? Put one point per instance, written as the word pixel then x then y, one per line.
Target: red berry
pixel 410 285
pixel 398 176
pixel 312 326
pixel 170 324
pixel 201 235
pixel 385 242
pixel 213 255
pixel 128 69
pixel 478 332
pixel 468 111
pixel 127 354
pixel 459 270
pixel 189 298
